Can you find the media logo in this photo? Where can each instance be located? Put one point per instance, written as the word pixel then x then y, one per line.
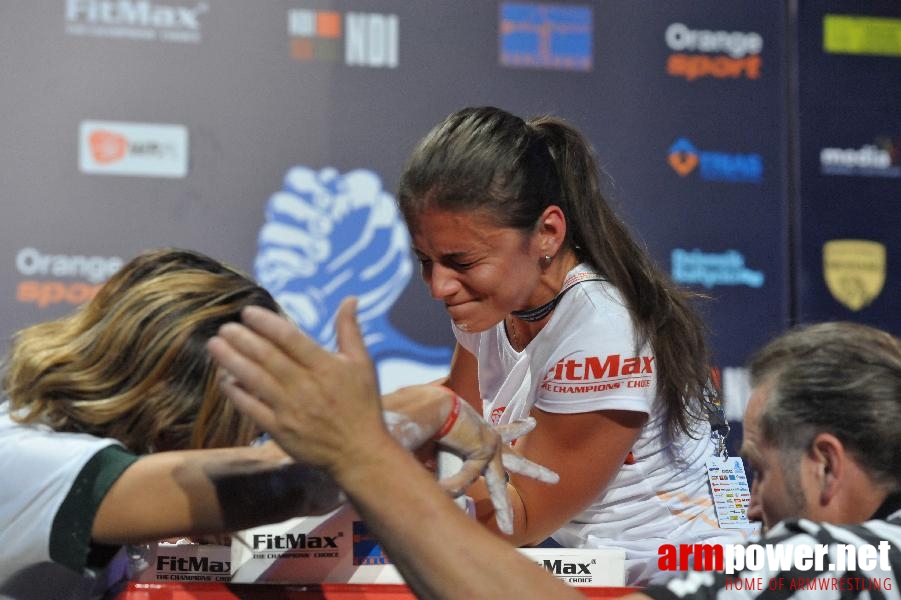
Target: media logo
pixel 699 53
pixel 359 39
pixel 854 271
pixel 710 269
pixel 141 149
pixel 880 159
pixel 684 158
pixel 61 278
pixel 139 20
pixel 546 36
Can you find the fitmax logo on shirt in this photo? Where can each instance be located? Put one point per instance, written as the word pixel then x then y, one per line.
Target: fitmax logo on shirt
pixel 719 54
pixel 597 374
pixel 684 159
pixel 370 39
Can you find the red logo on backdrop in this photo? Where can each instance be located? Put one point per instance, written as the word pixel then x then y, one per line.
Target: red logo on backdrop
pixel 107 146
pixel 496 414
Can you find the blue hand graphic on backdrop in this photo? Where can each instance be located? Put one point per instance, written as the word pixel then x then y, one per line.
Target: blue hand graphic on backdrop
pixel 327 236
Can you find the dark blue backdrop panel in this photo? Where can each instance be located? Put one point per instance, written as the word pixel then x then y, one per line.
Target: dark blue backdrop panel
pixel 850 174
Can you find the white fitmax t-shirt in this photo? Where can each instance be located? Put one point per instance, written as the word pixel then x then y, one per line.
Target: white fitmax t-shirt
pixel 585 359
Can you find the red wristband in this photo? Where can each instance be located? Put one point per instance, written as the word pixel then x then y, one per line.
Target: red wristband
pixel 451 419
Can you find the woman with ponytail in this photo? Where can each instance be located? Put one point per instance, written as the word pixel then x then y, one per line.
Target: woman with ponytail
pixel 561 315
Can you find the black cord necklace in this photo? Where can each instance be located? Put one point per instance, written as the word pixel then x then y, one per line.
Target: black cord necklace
pixel 540 312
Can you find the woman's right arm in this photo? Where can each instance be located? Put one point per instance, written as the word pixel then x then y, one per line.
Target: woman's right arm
pixel 186 493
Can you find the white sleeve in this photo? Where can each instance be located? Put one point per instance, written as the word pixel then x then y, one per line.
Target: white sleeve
pixel 596 367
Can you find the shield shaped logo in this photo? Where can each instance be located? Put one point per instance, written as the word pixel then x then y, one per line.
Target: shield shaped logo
pixel 854 271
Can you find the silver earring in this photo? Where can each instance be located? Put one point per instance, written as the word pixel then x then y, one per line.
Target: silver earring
pixel 547 260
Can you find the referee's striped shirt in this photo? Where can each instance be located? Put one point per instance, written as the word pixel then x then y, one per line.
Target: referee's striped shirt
pixel 793 583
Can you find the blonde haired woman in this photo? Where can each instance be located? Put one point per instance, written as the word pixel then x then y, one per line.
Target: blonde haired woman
pixel 114 429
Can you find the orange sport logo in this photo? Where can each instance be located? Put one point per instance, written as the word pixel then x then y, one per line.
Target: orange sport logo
pixel 699 53
pixel 53 279
pixel 47 293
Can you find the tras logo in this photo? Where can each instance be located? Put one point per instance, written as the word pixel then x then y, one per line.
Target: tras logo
pixel 359 39
pixel 546 36
pixel 684 158
pixel 699 53
pixel 61 278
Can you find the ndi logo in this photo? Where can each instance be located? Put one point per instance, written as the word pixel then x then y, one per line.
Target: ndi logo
pixel 710 269
pixel 684 158
pixel 369 39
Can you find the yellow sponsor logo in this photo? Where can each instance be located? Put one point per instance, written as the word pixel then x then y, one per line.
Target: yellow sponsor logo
pixel 849 34
pixel 854 271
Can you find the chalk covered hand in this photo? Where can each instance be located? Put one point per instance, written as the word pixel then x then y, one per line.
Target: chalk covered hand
pixel 323 407
pixel 417 414
pixel 485 450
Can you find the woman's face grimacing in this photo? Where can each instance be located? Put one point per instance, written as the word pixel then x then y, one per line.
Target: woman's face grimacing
pixel 480 271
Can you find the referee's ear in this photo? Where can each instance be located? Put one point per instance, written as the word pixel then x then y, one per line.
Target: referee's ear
pixel 831 468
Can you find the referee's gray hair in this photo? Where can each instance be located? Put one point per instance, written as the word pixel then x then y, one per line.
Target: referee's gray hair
pixel 841 378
